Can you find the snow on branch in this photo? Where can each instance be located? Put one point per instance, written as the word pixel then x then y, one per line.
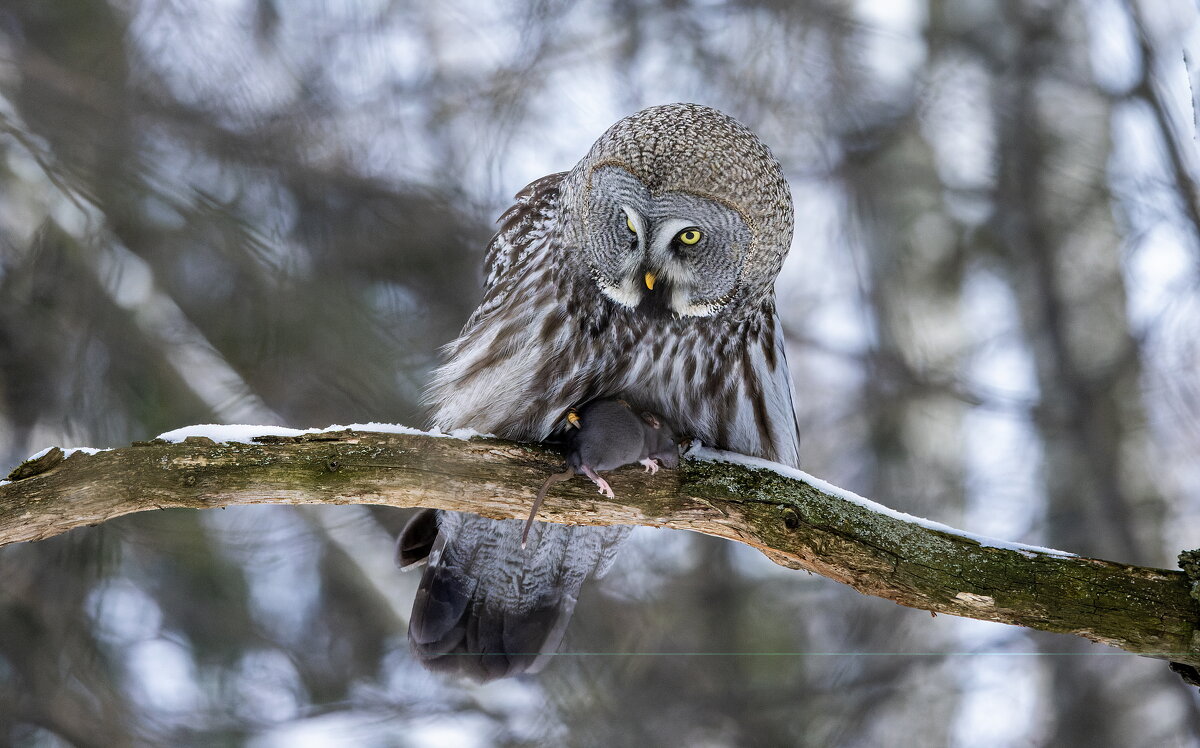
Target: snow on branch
pixel 796 520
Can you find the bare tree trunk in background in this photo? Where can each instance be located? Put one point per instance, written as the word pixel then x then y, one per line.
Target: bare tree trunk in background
pixel 912 276
pixel 912 279
pixel 1054 233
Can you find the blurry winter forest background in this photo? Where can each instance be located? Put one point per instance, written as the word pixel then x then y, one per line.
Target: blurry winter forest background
pixel 274 212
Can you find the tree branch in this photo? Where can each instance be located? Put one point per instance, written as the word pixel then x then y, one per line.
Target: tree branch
pixel 795 523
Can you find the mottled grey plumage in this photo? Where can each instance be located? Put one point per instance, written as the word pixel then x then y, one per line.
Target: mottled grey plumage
pixel 568 316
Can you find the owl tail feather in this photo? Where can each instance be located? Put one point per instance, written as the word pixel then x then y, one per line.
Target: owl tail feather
pixel 460 624
pixel 416 540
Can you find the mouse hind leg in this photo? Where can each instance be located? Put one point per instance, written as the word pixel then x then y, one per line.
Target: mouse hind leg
pixel 600 482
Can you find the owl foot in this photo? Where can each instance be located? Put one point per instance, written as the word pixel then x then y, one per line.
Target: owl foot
pixel 573 420
pixel 651 465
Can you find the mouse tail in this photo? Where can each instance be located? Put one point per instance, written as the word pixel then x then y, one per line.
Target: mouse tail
pixel 541 496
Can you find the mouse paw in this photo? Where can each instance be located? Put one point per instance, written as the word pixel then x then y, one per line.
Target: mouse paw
pixel 651 465
pixel 604 487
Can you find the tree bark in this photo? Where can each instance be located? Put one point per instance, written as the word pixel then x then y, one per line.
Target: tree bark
pixel 1138 609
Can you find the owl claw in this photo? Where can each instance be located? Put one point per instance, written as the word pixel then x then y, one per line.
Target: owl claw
pixel 651 465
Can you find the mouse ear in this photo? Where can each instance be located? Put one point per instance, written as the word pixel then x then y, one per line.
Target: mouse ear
pixel 651 419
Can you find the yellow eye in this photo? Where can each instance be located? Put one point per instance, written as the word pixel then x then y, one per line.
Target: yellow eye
pixel 629 223
pixel 689 236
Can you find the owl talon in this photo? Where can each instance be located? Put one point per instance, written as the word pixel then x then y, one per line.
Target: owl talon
pixel 651 465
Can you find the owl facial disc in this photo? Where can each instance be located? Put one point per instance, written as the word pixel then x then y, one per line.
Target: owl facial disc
pixel 681 251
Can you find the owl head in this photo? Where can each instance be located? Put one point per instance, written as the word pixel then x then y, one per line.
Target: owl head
pixel 679 208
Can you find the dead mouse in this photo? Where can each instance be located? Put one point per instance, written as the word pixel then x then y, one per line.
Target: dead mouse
pixel 607 434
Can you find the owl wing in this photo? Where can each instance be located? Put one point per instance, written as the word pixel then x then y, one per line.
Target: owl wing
pixel 523 228
pixel 485 383
pixel 763 419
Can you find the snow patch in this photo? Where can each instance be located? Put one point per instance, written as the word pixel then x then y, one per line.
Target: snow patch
pixel 717 455
pixel 67 452
pixel 224 433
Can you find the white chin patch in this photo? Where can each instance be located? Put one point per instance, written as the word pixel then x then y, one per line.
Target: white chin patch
pixel 627 294
pixel 684 307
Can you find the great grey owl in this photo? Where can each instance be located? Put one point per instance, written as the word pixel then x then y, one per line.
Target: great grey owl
pixel 646 272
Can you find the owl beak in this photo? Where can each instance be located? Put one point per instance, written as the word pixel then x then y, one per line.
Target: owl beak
pixel 650 281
